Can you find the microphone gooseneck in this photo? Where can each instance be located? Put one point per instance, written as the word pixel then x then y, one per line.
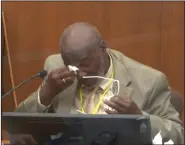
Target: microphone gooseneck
pixel 41 74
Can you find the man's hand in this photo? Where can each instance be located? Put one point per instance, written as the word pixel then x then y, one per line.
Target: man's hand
pixel 57 81
pixel 121 105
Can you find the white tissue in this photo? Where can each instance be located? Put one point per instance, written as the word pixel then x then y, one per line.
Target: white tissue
pixel 73 68
pixel 158 139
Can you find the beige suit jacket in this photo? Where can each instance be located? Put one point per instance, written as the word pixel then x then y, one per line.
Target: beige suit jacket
pixel 146 86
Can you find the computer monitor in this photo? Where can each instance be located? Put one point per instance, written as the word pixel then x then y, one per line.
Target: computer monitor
pixel 82 129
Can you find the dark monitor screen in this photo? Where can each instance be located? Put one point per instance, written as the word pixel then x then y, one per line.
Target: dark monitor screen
pixel 82 129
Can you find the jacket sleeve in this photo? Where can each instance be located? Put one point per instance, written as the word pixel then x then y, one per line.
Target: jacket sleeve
pixel 162 114
pixel 30 105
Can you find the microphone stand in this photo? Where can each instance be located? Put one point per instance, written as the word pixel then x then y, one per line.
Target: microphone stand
pixel 40 74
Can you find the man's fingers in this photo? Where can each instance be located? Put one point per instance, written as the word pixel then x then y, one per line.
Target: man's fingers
pixel 58 70
pixel 111 104
pixel 66 74
pixel 127 105
pixel 61 73
pixel 68 80
pixel 114 105
pixel 121 102
pixel 121 98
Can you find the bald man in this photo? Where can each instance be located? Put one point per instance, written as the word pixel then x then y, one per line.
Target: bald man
pixel 143 90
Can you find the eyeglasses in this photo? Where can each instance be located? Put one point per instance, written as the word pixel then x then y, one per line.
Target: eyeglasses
pixel 115 86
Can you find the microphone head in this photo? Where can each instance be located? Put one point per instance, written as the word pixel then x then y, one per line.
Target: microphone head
pixel 42 74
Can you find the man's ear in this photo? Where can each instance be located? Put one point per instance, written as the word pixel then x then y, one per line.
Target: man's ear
pixel 103 45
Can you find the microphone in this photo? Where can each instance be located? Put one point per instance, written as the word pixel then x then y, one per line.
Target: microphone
pixel 41 74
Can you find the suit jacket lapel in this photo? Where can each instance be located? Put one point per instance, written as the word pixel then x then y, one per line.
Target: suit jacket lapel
pixel 123 77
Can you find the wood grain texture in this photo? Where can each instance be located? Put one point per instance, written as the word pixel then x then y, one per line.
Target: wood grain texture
pixel 173 45
pixel 149 32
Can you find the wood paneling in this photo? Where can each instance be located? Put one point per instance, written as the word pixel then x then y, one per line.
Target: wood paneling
pixel 173 44
pixel 149 32
pixel 135 29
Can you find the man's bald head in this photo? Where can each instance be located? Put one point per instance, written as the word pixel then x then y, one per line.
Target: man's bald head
pixel 80 37
pixel 82 46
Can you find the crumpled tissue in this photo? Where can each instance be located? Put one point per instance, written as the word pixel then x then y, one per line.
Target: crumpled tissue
pixel 158 139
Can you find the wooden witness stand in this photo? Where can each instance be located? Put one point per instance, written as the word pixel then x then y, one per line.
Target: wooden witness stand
pixel 7 51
